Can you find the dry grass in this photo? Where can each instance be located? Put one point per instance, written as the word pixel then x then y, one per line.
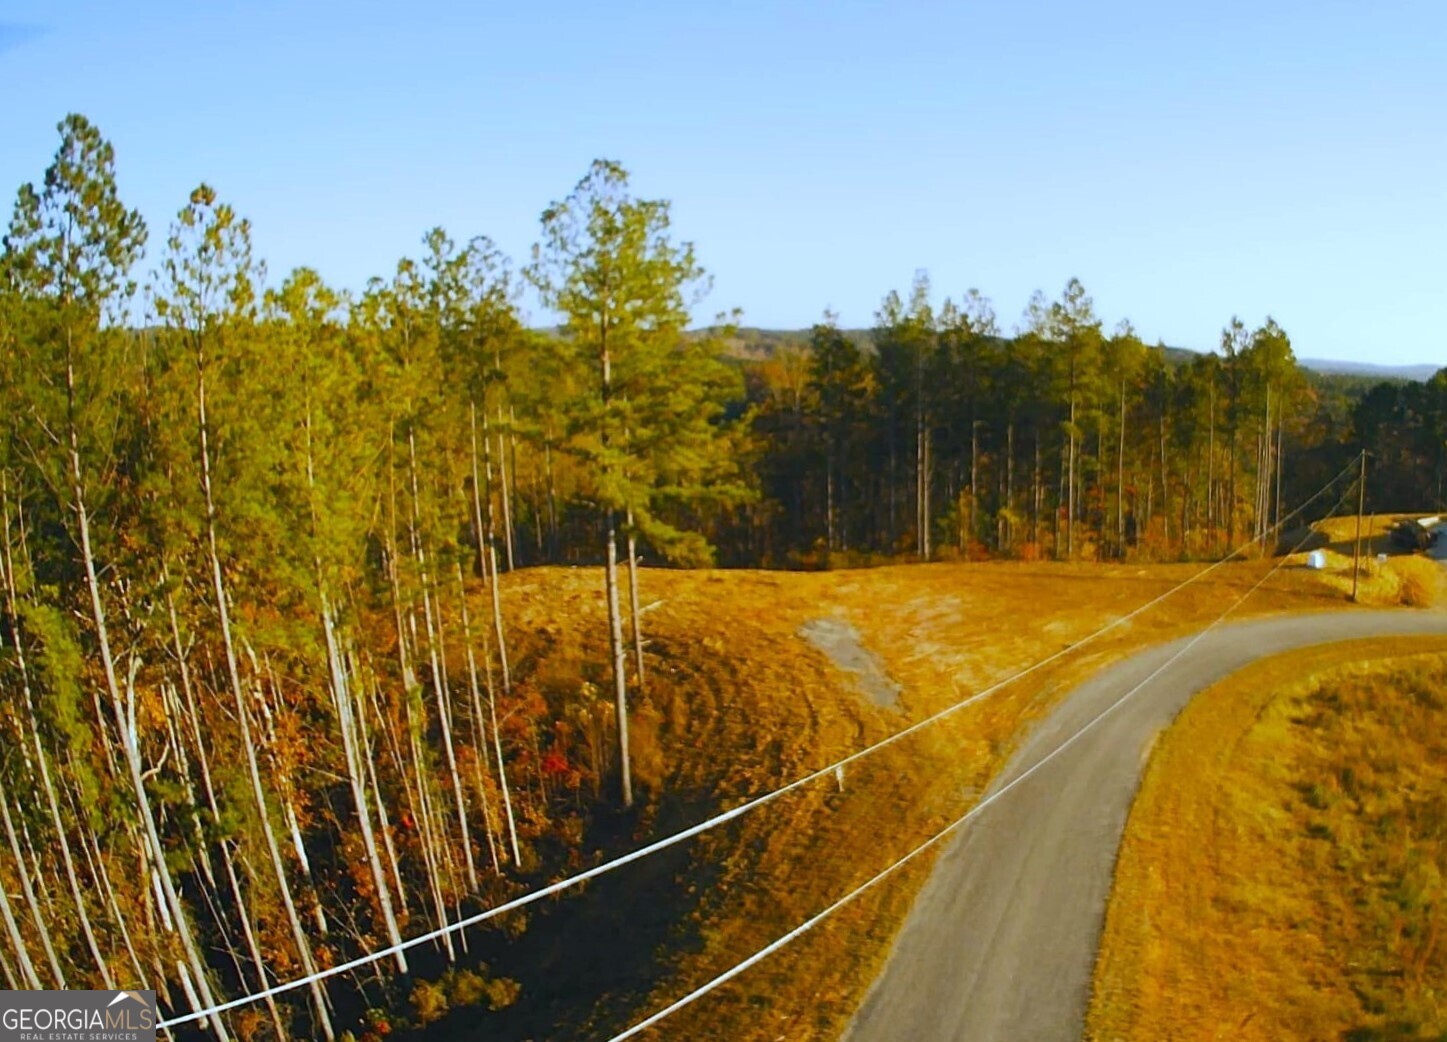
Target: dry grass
pixel 739 703
pixel 1342 531
pixel 1410 579
pixel 1281 875
pixel 1402 579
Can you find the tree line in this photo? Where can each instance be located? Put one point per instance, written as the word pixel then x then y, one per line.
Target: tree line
pixel 945 438
pixel 259 708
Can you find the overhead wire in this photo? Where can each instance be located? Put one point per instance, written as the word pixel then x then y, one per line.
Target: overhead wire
pixel 809 924
pixel 708 824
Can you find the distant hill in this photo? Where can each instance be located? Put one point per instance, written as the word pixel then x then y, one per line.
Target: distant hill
pixel 751 342
pixel 1385 372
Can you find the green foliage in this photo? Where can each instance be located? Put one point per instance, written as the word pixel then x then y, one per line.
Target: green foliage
pixel 459 988
pixel 648 425
pixel 354 458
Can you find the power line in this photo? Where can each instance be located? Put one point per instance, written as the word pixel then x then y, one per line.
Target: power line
pixel 952 827
pixel 722 818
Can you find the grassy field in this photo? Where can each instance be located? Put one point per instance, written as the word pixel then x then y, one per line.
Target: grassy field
pixel 1408 579
pixel 1282 873
pixel 739 703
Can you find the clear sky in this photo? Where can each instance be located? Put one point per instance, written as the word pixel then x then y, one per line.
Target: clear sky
pixel 1186 163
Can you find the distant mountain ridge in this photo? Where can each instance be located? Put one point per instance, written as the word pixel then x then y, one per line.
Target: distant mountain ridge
pixel 1386 372
pixel 753 342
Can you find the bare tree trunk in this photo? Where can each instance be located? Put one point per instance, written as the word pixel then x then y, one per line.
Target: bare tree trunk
pixel 28 976
pixel 1035 492
pixel 27 890
pixel 488 555
pixel 1280 466
pixel 426 840
pixel 201 994
pixel 346 712
pixel 1211 468
pixel 618 655
pixel 1165 486
pixel 190 714
pixel 1070 480
pixel 1120 478
pixel 439 677
pixel 224 616
pixel 552 491
pixel 922 482
pixel 616 648
pixel 479 728
pixel 369 760
pixel 503 487
pixel 633 605
pixel 512 445
pixel 42 758
pixel 974 481
pixel 91 849
pixel 492 710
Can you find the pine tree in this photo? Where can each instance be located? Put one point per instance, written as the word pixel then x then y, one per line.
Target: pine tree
pixel 607 265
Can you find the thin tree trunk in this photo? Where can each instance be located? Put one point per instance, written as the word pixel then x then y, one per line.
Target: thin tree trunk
pixel 617 653
pixel 426 841
pixel 439 678
pixel 633 605
pixel 1165 487
pixel 479 728
pixel 7 569
pixel 1070 479
pixel 503 487
pixel 616 647
pixel 488 559
pixel 28 976
pixel 1035 492
pixel 91 849
pixel 365 750
pixel 492 708
pixel 1010 485
pixel 27 890
pixel 1120 479
pixel 192 716
pixel 1211 467
pixel 552 491
pixel 224 617
pixel 346 711
pixel 1280 466
pixel 201 994
pixel 974 481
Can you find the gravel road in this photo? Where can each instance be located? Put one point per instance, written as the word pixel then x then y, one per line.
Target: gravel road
pixel 1000 944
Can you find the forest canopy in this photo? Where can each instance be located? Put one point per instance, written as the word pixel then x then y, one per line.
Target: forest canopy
pixel 244 519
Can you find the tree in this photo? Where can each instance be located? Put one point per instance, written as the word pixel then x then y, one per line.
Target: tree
pixel 208 293
pixel 904 339
pixel 1122 357
pixel 68 254
pixel 839 378
pixel 608 266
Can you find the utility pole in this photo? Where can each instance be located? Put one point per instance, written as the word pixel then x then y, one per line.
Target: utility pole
pixel 1361 505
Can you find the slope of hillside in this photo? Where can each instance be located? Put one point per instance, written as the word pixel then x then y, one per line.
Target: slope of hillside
pixel 739 701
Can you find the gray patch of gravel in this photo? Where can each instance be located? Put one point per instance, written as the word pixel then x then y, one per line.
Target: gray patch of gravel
pixel 840 641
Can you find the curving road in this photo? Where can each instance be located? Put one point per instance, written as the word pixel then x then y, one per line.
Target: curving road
pixel 1000 944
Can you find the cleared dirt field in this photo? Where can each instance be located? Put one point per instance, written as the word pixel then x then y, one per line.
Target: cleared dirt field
pixel 739 701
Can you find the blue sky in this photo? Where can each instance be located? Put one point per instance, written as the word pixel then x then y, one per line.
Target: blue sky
pixel 1284 158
